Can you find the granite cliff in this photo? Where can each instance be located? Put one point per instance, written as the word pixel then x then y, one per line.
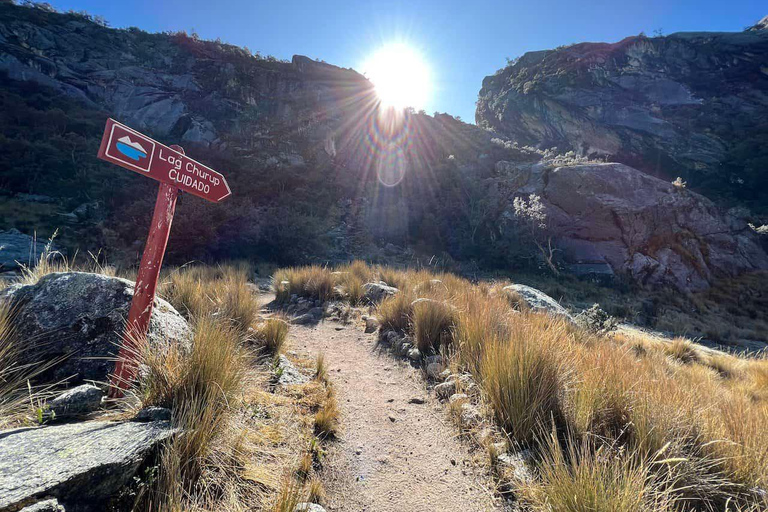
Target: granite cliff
pixel 688 104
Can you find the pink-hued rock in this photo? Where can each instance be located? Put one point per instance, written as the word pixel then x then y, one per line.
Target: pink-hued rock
pixel 644 227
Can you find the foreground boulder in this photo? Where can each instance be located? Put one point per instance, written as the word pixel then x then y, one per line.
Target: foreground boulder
pixel 81 464
pixel 80 317
pixel 647 229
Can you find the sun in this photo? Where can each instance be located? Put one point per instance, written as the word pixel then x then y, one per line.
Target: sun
pixel 400 75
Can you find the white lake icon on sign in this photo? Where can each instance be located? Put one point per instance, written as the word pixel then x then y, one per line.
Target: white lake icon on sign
pixel 131 149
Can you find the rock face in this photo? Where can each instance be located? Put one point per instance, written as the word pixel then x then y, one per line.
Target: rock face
pixel 82 464
pixel 80 316
pixel 17 248
pixel 688 104
pixel 642 227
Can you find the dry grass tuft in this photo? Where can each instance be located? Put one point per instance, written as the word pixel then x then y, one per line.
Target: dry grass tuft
pixel 682 350
pixel 321 370
pixel 271 334
pixel 328 417
pixel 312 282
pixel 394 313
pixel 432 324
pixel 587 477
pixel 315 491
pixel 200 386
pixel 199 290
pixel 523 380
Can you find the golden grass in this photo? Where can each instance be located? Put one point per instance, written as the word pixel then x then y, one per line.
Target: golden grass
pixel 394 313
pixel 523 380
pixel 321 370
pixel 586 478
pixel 315 491
pixel 433 321
pixel 271 334
pixel 639 420
pixel 313 282
pixel 14 398
pixel 201 290
pixel 328 417
pixel 200 386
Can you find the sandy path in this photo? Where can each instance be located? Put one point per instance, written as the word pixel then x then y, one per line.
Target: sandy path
pixel 392 455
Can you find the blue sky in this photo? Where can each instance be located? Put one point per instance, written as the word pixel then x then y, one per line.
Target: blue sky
pixel 462 41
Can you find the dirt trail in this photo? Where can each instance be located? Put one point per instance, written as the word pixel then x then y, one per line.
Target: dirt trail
pixel 393 454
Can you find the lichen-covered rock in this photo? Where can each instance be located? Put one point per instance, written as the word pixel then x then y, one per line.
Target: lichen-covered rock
pixel 74 403
pixel 445 390
pixel 376 292
pixel 153 413
pixel 371 324
pixel 80 316
pixel 287 373
pixel 50 505
pixel 79 463
pixel 308 507
pixel 538 301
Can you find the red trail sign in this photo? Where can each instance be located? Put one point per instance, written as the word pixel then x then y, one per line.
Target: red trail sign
pixel 176 172
pixel 136 152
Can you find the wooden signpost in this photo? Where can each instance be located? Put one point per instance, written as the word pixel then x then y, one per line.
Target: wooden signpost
pixel 176 173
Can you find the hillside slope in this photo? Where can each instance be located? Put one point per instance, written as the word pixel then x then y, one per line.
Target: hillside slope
pixel 301 143
pixel 319 170
pixel 688 104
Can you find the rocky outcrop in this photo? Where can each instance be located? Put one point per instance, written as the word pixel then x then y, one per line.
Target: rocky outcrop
pixel 536 300
pixel 376 292
pixel 689 104
pixel 171 85
pixel 642 227
pixel 17 249
pixel 79 317
pixel 74 403
pixel 287 373
pixel 82 464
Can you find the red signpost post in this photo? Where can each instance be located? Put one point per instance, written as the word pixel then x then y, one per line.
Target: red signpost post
pixel 176 172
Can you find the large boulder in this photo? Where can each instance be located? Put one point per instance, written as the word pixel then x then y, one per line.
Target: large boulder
pixel 80 316
pixel 537 301
pixel 376 292
pixel 79 464
pixel 645 228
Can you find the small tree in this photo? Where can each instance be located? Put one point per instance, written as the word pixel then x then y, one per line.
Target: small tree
pixel 533 215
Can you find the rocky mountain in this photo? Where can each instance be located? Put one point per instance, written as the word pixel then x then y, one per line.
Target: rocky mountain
pixel 320 171
pixel 311 161
pixel 688 104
